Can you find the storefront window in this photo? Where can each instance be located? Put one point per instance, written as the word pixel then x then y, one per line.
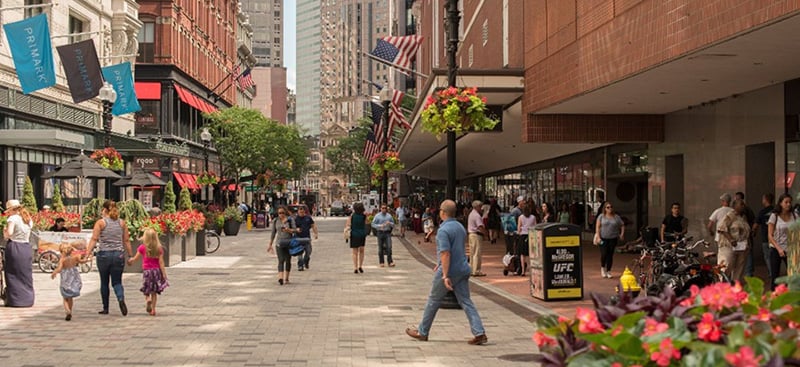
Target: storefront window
pixel 147 120
pixel 792 167
pixel 631 162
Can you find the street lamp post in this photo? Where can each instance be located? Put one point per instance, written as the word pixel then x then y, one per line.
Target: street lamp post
pixel 108 96
pixel 205 137
pixel 386 98
pixel 453 18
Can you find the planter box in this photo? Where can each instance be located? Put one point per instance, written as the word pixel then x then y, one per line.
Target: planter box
pixel 189 246
pixel 172 249
pixel 200 243
pixel 231 227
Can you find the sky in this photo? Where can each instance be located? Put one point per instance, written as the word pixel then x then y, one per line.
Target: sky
pixel 290 43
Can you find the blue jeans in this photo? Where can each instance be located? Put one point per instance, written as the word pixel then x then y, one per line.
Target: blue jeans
pixel 385 246
pixel 305 258
pixel 438 291
pixel 110 264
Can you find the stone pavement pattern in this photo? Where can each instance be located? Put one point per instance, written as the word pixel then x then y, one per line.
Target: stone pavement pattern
pixel 226 309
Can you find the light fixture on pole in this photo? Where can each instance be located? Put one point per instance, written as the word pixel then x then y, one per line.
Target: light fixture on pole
pixel 205 137
pixel 386 98
pixel 108 96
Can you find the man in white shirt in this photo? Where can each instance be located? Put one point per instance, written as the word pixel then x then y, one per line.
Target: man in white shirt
pixel 716 218
pixel 476 232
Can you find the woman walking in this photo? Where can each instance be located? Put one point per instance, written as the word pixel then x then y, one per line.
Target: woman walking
pixel 493 221
pixel 283 228
pixel 778 232
pixel 357 225
pixel 525 223
pixel 110 235
pixel 18 256
pixel 548 215
pixel 733 234
pixel 609 230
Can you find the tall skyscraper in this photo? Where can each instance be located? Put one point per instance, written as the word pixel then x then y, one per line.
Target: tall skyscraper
pixel 308 65
pixel 266 19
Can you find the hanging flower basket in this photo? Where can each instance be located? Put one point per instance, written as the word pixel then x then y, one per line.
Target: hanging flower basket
pixel 386 161
pixel 458 110
pixel 109 158
pixel 207 178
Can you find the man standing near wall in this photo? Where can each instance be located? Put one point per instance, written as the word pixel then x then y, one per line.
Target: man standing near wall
pixel 476 232
pixel 716 219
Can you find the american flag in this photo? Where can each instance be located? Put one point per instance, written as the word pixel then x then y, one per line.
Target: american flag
pixel 246 79
pixel 396 116
pixel 398 50
pixel 374 142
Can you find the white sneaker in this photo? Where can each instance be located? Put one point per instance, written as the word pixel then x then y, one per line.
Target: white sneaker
pixel 608 275
pixel 603 273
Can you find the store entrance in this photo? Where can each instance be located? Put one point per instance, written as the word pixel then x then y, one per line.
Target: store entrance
pixel 628 195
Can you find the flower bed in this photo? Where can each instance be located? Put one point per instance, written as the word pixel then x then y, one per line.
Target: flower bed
pixel 719 325
pixel 43 221
pixel 179 223
pixel 456 109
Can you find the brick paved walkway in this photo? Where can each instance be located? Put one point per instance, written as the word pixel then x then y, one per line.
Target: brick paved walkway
pixel 227 309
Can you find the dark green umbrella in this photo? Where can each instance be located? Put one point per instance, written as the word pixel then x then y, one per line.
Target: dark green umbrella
pixel 81 167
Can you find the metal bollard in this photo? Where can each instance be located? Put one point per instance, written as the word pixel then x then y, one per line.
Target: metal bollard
pixel 249 222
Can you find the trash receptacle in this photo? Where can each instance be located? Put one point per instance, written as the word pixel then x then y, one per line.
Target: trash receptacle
pixel 261 220
pixel 556 262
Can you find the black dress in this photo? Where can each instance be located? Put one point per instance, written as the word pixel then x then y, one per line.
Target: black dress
pixel 358 230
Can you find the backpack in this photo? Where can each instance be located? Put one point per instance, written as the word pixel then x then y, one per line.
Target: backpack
pixel 509 223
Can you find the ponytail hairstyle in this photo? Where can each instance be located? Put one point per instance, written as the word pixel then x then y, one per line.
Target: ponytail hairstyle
pixel 26 215
pixel 150 240
pixel 111 207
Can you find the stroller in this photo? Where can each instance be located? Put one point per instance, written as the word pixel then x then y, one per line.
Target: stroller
pixel 512 261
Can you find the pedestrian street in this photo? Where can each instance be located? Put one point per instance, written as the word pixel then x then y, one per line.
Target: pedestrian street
pixel 227 309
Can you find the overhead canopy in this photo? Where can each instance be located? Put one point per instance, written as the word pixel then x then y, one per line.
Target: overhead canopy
pixel 148 90
pixel 42 137
pixel 193 100
pixel 187 180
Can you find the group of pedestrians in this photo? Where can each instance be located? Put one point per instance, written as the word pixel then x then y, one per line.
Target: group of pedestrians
pixel 111 238
pixel 285 228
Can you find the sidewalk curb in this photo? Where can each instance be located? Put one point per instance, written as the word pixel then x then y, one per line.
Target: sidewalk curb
pixel 498 292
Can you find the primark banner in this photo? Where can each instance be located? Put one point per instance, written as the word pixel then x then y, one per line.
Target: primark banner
pixel 82 69
pixel 29 41
pixel 121 78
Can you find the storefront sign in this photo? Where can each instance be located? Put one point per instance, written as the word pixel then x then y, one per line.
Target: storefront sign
pixel 172 149
pixel 147 163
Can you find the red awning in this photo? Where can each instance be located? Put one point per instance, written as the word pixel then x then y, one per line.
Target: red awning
pixel 147 90
pixel 156 173
pixel 193 100
pixel 180 179
pixel 191 180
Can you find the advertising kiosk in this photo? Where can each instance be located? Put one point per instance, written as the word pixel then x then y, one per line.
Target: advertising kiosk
pixel 556 262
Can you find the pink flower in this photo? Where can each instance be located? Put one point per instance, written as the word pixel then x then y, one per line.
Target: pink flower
pixel 665 353
pixel 708 329
pixel 652 327
pixel 763 314
pixel 745 357
pixel 722 295
pixel 541 339
pixel 588 322
pixel 689 301
pixel 779 289
pixel 617 330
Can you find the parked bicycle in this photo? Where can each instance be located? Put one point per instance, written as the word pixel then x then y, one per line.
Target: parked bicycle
pixel 212 241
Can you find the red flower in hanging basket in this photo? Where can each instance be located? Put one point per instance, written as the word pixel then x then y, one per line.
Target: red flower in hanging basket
pixel 108 158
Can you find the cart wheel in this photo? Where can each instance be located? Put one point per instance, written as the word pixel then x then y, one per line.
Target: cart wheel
pixel 86 267
pixel 48 261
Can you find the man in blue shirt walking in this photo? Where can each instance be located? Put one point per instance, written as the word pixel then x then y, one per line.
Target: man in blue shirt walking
pixel 383 225
pixel 306 225
pixel 451 273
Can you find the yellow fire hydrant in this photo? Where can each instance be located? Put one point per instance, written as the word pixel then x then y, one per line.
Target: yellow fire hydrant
pixel 628 282
pixel 249 222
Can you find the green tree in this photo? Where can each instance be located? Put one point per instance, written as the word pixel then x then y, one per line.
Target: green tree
pixel 246 141
pixel 185 203
pixel 28 200
pixel 169 198
pixel 58 204
pixel 347 157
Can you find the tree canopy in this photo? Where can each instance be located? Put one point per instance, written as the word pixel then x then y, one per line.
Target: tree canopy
pixel 347 157
pixel 247 141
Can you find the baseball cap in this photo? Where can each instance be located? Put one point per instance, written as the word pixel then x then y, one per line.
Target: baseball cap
pixel 520 198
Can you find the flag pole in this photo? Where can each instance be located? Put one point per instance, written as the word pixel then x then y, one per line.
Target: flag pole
pixel 394 65
pixel 211 93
